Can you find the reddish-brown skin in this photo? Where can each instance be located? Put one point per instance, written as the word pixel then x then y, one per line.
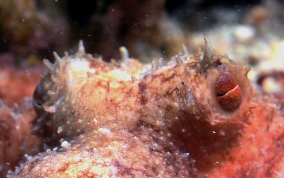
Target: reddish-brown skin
pixel 16 112
pixel 101 119
pixel 16 139
pixel 12 83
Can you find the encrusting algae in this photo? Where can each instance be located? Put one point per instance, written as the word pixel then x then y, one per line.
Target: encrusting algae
pixel 195 116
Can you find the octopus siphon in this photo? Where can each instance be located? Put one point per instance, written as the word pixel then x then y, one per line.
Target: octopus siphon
pixel 197 115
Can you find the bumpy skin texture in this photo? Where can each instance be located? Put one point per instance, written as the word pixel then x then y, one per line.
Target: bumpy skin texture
pixel 16 113
pixel 16 139
pixel 104 119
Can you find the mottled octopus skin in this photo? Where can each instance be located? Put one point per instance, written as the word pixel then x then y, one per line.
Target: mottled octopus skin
pixel 16 112
pixel 16 139
pixel 108 120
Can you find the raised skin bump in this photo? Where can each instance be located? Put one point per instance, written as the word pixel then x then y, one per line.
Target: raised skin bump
pixel 207 54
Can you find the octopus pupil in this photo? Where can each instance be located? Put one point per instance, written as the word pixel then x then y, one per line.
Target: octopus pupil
pixel 38 104
pixel 220 94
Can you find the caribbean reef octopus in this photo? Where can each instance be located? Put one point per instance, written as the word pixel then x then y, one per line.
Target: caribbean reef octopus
pixel 193 116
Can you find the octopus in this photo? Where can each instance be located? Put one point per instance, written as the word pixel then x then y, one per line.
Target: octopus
pixel 197 115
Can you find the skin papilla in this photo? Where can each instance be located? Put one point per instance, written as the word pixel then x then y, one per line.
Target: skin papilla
pixel 195 116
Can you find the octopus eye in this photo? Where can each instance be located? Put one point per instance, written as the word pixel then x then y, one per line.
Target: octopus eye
pixel 38 98
pixel 228 92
